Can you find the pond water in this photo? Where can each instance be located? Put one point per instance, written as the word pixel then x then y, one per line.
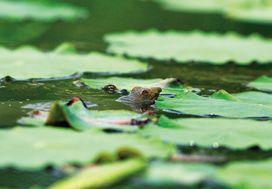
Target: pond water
pixel 120 16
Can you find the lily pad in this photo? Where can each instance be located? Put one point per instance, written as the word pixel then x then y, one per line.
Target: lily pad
pixel 77 116
pixel 28 62
pixel 257 11
pixel 129 83
pixel 222 104
pixel 203 6
pixel 102 176
pixel 40 10
pixel 177 174
pixel 263 83
pixel 192 46
pixel 255 97
pixel 35 148
pixel 250 174
pixel 256 14
pixel 211 132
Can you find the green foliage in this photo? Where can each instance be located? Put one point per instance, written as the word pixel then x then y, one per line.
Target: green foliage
pixel 62 63
pixel 35 148
pixel 220 104
pixel 211 132
pixel 168 85
pixel 192 46
pixel 102 176
pixel 40 10
pixel 80 118
pixel 263 83
pixel 255 11
pixel 121 83
pixel 250 174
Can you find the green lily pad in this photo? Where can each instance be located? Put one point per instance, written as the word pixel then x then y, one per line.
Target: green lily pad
pixel 192 46
pixel 102 176
pixel 203 6
pixel 221 104
pixel 250 174
pixel 255 97
pixel 40 10
pixel 257 11
pixel 61 63
pixel 210 132
pixel 81 119
pixel 263 83
pixel 129 83
pixel 258 14
pixel 35 148
pixel 177 174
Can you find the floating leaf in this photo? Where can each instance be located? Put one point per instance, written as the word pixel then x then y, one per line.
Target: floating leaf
pixel 192 46
pixel 255 97
pixel 223 104
pixel 80 118
pixel 34 148
pixel 38 10
pixel 211 132
pixel 177 174
pixel 263 83
pixel 127 83
pixel 203 6
pixel 256 11
pixel 37 64
pixel 102 176
pixel 250 174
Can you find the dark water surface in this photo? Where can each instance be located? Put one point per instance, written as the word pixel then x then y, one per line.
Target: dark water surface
pixel 107 16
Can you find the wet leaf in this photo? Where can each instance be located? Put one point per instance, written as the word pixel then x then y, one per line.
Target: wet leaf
pixel 220 104
pixel 102 176
pixel 80 118
pixel 35 148
pixel 192 46
pixel 263 83
pixel 40 10
pixel 62 63
pixel 256 11
pixel 177 174
pixel 213 132
pixel 171 175
pixel 250 174
pixel 203 6
pixel 127 83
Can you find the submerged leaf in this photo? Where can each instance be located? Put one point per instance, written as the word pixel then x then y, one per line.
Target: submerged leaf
pixel 102 176
pixel 192 46
pixel 37 64
pixel 40 10
pixel 221 104
pixel 35 148
pixel 263 83
pixel 211 132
